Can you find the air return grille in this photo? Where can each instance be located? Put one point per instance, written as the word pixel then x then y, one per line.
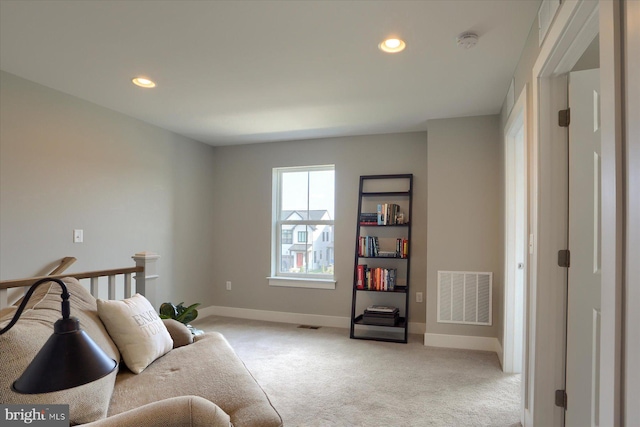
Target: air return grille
pixel 464 297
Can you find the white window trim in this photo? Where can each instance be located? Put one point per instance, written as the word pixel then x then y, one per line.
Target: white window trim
pixel 299 282
pixel 292 280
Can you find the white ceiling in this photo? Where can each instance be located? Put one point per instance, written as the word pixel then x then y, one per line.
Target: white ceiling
pixel 231 72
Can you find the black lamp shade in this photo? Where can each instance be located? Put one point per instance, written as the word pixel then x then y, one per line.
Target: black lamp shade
pixel 68 359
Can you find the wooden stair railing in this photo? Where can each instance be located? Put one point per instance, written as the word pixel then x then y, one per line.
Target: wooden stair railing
pixel 64 264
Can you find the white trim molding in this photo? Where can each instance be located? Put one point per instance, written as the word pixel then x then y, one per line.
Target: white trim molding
pixel 464 342
pixel 297 282
pixel 295 318
pixel 572 29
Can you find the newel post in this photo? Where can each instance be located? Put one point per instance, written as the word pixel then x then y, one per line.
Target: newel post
pixel 146 282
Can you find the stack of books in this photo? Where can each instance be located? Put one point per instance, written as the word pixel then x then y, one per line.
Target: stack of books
pixel 368 218
pixel 380 315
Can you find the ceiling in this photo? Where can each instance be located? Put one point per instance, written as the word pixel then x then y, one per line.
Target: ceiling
pixel 236 72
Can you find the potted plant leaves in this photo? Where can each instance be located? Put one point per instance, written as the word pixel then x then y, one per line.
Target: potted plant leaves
pixel 181 313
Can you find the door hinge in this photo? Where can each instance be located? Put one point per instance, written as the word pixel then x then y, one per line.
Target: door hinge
pixel 561 399
pixel 564 118
pixel 564 258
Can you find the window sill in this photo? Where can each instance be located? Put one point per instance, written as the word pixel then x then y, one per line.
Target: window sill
pixel 297 282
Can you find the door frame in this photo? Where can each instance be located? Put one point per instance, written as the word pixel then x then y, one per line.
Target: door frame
pixel 517 120
pixel 631 338
pixel 573 28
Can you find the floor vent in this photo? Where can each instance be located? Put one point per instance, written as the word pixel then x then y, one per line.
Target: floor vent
pixel 464 297
pixel 308 327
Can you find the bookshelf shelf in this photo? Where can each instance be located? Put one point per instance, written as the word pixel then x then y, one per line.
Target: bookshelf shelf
pixel 397 290
pixel 387 193
pixel 402 322
pixel 383 227
pixel 382 257
pixel 378 225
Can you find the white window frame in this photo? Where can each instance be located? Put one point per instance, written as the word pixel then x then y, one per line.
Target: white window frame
pixel 294 280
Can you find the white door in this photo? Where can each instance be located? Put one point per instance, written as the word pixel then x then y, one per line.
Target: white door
pixel 583 301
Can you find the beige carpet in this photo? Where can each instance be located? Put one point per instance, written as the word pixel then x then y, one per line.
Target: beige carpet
pixel 323 378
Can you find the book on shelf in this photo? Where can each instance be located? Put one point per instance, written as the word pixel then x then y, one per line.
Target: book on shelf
pixel 388 254
pixel 375 279
pixel 389 214
pixel 368 246
pixel 402 247
pixel 381 310
pixel 380 321
pixel 360 274
pixel 381 315
pixel 369 218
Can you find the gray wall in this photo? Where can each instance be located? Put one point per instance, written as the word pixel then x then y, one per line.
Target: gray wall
pixel 522 73
pixel 465 214
pixel 66 163
pixel 243 177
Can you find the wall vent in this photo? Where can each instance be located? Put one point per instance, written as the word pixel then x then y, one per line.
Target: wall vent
pixel 464 297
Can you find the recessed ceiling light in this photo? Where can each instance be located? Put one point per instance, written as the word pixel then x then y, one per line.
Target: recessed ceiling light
pixel 143 82
pixel 392 45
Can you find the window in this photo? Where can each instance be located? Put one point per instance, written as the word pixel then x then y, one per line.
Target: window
pixel 287 237
pixel 304 209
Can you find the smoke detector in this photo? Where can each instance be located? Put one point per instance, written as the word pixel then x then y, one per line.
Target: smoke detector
pixel 467 40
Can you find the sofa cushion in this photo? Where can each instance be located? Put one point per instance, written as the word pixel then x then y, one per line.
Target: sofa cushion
pixel 136 329
pixel 191 411
pixel 18 347
pixel 180 334
pixel 208 368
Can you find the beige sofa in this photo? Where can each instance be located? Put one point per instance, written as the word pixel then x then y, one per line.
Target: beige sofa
pixel 199 384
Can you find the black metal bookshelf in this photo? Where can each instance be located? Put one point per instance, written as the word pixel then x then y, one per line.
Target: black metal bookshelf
pixel 380 191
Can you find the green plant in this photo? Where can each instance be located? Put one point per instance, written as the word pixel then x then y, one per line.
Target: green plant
pixel 179 312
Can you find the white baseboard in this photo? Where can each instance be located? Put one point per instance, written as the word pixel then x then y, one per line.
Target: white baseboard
pixel 464 342
pixel 277 316
pixel 286 317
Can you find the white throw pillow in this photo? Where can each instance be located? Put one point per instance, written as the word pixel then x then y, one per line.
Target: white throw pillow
pixel 137 330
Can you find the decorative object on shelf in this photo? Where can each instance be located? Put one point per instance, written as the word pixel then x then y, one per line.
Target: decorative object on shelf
pixel 382 264
pixel 56 366
pixel 182 314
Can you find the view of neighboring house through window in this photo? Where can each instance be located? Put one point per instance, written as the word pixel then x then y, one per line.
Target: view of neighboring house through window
pixel 304 222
